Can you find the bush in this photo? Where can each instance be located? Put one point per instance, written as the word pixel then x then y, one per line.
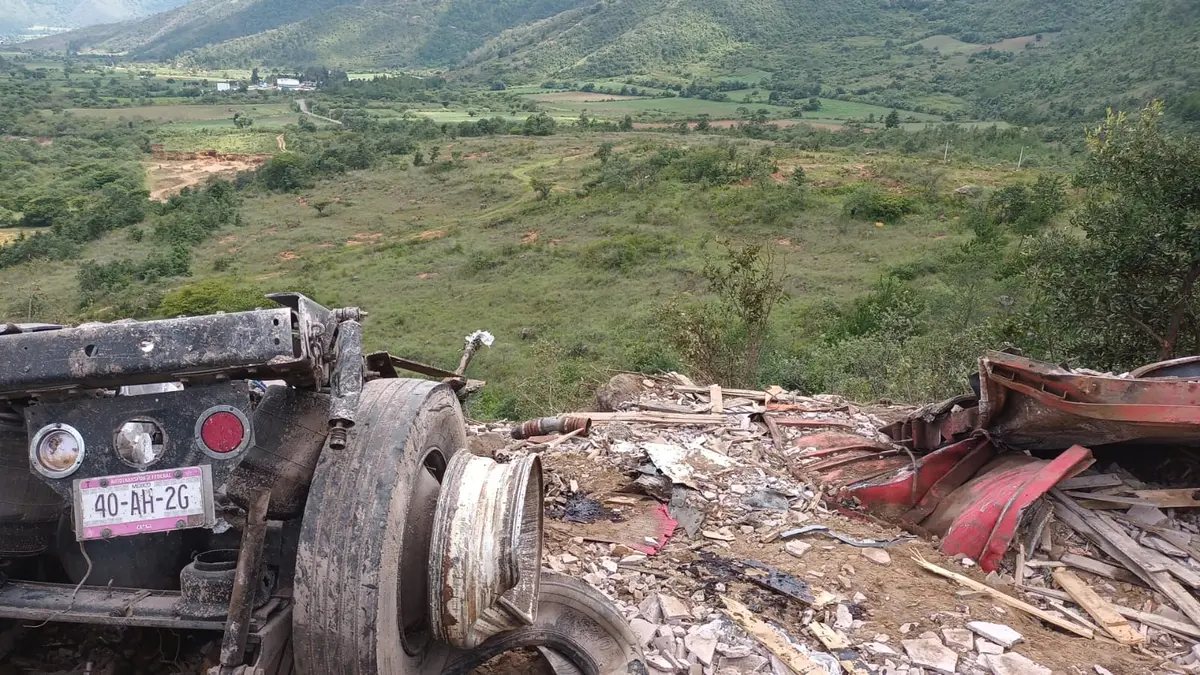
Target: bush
pixel 285 172
pixel 208 296
pixel 627 251
pixel 868 202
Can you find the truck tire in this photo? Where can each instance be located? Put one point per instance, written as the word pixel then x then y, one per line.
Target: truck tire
pixel 361 588
pixel 578 631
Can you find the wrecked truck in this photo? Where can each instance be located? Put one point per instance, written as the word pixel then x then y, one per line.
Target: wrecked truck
pixel 328 521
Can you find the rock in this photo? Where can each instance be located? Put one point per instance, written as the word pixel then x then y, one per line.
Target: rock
pixel 644 630
pixel 968 190
pixel 859 598
pixel 650 610
pixel 959 639
pixel 877 556
pixel 734 651
pixel 658 662
pixel 621 389
pixel 746 664
pixel 486 444
pixel 931 653
pixel 880 648
pixel 1013 663
pixel 987 647
pixel 673 609
pixel 996 632
pixel 1101 670
pixel 905 628
pixel 844 619
pixel 797 548
pixel 702 644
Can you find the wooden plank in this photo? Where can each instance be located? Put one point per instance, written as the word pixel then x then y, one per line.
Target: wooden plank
pixel 1006 599
pixel 1100 568
pixel 1178 570
pixel 1101 480
pixel 1019 565
pixel 716 399
pixel 1105 615
pixel 1104 501
pixel 768 637
pixel 793 422
pixel 1180 498
pixel 652 418
pixel 832 639
pixel 1178 538
pixel 1072 520
pixel 1184 629
pixel 1113 536
pixel 751 394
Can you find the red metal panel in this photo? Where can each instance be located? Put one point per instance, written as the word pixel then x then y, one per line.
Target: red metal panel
pixel 984 514
pixel 893 496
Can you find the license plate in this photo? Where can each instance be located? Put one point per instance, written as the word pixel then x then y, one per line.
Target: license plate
pixel 137 503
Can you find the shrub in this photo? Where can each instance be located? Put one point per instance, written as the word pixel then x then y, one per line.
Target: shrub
pixel 868 202
pixel 626 251
pixel 208 296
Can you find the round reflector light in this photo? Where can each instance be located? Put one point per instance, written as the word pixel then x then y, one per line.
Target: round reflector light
pixel 222 432
pixel 56 451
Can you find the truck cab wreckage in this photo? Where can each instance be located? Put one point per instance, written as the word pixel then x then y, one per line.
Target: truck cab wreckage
pixel 329 522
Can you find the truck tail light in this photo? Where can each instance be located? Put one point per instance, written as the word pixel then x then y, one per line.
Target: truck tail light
pixel 56 450
pixel 223 431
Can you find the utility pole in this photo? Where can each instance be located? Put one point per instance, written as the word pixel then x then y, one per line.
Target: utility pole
pixel 946 154
pixel 1022 158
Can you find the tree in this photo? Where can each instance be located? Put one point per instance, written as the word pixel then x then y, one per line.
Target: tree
pixel 605 151
pixel 892 120
pixel 254 76
pixel 702 123
pixel 626 124
pixel 434 152
pixel 321 206
pixel 418 158
pixel 799 178
pixel 43 211
pixel 241 120
pixel 541 187
pixel 284 172
pixel 1125 293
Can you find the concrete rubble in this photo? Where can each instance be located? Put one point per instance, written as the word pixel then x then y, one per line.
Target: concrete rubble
pixel 728 478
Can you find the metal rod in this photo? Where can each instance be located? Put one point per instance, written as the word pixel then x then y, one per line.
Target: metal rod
pixel 245 583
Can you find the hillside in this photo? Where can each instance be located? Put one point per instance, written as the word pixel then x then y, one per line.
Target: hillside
pixel 1022 60
pixel 16 15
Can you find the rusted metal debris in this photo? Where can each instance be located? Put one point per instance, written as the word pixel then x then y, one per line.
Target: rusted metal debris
pixel 552 425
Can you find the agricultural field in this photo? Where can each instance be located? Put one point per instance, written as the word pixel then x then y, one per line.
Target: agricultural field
pixel 200 116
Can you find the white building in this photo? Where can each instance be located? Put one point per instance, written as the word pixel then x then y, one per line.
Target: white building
pixel 223 86
pixel 287 83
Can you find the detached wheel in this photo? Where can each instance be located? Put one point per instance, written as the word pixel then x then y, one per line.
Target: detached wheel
pixel 578 631
pixel 361 589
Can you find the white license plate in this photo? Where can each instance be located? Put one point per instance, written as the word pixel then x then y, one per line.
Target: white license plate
pixel 137 503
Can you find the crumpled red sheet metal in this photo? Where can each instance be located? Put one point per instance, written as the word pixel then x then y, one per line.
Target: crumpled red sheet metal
pixel 1035 405
pixel 980 518
pixel 966 495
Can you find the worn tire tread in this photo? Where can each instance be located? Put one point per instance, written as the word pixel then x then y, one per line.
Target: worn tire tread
pixel 353 524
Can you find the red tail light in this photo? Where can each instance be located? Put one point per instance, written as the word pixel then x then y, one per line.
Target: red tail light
pixel 223 430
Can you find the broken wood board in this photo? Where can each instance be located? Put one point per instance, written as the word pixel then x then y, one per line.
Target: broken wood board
pixel 832 639
pixel 716 399
pixel 1100 568
pixel 770 638
pixel 796 422
pixel 1146 564
pixel 1006 599
pixel 1099 500
pixel 653 418
pixel 740 393
pixel 1097 607
pixel 1102 480
pixel 1180 498
pixel 1178 538
pixel 1182 628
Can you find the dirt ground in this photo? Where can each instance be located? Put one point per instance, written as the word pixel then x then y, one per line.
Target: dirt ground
pixel 897 594
pixel 168 176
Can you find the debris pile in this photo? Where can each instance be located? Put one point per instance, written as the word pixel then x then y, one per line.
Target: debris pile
pixel 746 531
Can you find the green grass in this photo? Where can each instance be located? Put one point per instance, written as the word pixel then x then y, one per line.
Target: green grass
pixel 673 109
pixel 181 113
pixel 435 255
